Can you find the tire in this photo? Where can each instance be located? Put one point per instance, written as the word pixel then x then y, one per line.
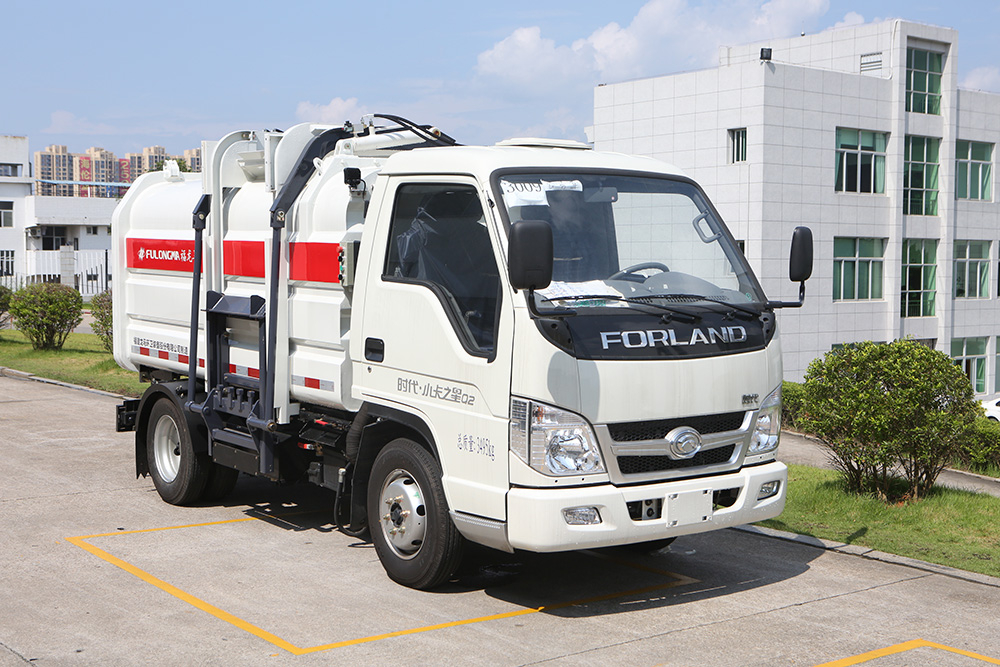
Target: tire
pixel 414 537
pixel 221 482
pixel 179 473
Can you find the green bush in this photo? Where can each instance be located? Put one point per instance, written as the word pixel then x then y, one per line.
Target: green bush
pixel 890 410
pixel 793 396
pixel 982 452
pixel 100 308
pixel 5 295
pixel 46 313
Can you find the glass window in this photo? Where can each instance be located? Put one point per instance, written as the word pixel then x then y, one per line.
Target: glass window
pixel 970 354
pixel 860 161
pixel 738 145
pixel 438 238
pixel 972 269
pixel 919 277
pixel 923 81
pixel 6 262
pixel 973 170
pixel 920 176
pixel 6 214
pixel 621 239
pixel 857 268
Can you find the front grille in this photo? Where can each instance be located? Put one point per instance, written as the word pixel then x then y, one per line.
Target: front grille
pixel 635 465
pixel 658 429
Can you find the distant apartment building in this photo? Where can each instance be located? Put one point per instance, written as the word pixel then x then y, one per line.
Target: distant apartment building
pixel 862 134
pixel 192 157
pixel 60 173
pixel 55 163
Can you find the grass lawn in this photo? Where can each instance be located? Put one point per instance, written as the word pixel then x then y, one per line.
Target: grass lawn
pixel 82 360
pixel 949 527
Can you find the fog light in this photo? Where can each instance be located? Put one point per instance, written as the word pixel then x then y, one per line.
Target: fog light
pixel 582 516
pixel 768 489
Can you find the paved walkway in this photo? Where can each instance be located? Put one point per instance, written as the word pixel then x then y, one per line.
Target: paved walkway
pixel 798 449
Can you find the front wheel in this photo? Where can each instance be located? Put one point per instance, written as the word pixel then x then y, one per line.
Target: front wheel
pixel 411 529
pixel 179 473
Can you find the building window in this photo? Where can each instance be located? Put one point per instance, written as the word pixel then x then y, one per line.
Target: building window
pixel 972 269
pixel 860 161
pixel 6 214
pixel 857 268
pixel 973 172
pixel 970 354
pixel 6 262
pixel 919 276
pixel 10 170
pixel 738 145
pixel 920 176
pixel 923 81
pixel 92 230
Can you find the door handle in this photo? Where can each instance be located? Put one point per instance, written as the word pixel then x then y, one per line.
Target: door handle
pixel 374 349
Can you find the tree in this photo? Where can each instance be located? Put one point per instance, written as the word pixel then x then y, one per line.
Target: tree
pixel 181 164
pixel 887 411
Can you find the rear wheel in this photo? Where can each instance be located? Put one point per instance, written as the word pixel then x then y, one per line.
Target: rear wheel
pixel 179 473
pixel 411 529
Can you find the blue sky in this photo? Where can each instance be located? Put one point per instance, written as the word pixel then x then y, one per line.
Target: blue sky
pixel 123 75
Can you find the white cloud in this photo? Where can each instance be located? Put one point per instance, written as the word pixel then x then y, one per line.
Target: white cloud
pixel 983 78
pixel 337 111
pixel 850 18
pixel 664 36
pixel 65 122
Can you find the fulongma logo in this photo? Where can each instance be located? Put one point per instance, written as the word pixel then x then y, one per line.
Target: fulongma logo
pixel 166 255
pixel 668 337
pixel 142 254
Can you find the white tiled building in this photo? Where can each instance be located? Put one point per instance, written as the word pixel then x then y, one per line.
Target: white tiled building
pixel 36 231
pixel 863 135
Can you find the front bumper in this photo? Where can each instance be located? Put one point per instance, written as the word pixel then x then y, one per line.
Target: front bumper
pixel 535 519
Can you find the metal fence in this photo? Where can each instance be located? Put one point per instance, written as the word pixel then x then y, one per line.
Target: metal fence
pixel 89 273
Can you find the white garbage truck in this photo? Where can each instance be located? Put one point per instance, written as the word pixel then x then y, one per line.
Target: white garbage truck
pixel 530 346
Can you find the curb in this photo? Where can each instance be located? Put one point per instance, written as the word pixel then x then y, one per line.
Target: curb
pixel 870 554
pixel 21 375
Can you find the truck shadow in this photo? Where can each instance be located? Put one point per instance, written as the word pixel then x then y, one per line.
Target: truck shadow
pixel 570 584
pixel 616 580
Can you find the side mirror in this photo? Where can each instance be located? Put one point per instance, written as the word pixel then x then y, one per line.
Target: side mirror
pixel 800 260
pixel 529 254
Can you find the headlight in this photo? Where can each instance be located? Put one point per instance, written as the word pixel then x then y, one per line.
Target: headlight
pixel 768 426
pixel 553 441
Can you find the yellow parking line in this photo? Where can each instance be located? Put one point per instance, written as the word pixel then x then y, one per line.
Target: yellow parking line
pixel 80 541
pixel 900 648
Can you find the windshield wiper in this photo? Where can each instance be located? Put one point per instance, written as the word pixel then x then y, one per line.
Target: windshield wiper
pixel 672 310
pixel 701 297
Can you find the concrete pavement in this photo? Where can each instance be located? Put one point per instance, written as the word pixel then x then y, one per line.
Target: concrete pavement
pixel 98 570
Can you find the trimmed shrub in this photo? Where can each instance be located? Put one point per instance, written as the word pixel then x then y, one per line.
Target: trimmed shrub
pixel 793 396
pixel 45 313
pixel 890 410
pixel 100 308
pixel 982 452
pixel 5 295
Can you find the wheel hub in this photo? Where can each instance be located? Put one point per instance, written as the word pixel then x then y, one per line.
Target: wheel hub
pixel 404 523
pixel 167 448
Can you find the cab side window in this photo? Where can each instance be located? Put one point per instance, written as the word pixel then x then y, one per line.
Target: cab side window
pixel 438 238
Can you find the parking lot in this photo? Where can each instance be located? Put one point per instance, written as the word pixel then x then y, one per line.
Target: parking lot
pixel 98 570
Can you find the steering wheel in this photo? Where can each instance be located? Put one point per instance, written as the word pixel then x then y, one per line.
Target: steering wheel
pixel 638 267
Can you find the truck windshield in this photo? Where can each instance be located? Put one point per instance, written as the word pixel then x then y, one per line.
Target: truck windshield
pixel 622 241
